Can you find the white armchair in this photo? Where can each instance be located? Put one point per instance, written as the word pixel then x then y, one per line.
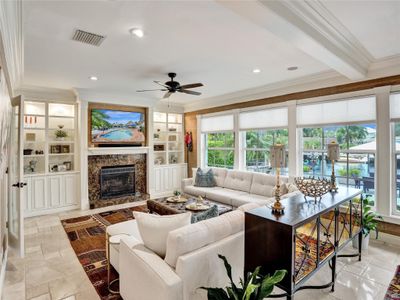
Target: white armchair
pixel 144 275
pixel 191 260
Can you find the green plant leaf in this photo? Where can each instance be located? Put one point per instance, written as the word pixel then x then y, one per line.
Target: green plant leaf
pixel 269 282
pixel 249 291
pixel 232 294
pixel 228 269
pixel 216 293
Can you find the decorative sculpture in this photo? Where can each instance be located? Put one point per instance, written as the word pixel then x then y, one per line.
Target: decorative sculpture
pixel 313 187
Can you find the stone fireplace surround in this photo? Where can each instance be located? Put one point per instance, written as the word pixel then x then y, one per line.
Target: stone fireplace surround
pixel 96 162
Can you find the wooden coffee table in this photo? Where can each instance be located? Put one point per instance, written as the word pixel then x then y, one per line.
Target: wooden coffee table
pixel 162 207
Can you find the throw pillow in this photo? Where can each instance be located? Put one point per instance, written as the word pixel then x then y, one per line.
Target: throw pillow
pixel 154 229
pixel 291 187
pixel 204 179
pixel 208 214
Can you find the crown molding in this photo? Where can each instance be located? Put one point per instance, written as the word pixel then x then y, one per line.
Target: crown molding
pixel 11 29
pixel 315 13
pixel 123 98
pixel 383 68
pixel 46 93
pixel 318 80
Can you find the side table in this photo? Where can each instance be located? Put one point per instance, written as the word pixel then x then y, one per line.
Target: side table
pixel 112 240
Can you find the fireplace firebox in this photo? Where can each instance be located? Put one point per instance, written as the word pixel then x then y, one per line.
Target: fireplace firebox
pixel 117 181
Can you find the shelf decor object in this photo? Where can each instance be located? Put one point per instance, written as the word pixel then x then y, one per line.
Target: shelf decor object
pixel 278 161
pixel 60 134
pixel 168 138
pixel 313 187
pixel 333 154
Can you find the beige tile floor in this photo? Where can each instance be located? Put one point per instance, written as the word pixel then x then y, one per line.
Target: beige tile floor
pixel 51 270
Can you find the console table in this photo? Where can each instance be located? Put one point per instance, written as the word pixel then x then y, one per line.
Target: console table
pixel 307 236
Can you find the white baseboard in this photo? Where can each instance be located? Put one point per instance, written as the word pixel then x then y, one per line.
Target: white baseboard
pixel 43 212
pixel 161 195
pixel 3 272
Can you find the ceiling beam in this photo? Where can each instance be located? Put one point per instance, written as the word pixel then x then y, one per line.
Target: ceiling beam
pixel 310 27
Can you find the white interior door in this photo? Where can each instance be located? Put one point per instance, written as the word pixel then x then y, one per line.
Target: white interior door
pixel 16 184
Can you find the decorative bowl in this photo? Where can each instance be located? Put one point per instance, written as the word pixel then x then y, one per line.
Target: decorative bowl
pixel 313 187
pixel 197 207
pixel 177 199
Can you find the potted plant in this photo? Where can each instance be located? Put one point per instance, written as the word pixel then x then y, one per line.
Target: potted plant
pixel 370 223
pixel 255 286
pixel 60 134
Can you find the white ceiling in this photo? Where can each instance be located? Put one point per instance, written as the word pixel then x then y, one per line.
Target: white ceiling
pixel 375 24
pixel 202 41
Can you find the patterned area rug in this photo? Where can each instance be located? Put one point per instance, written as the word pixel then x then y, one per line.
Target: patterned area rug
pixel 393 291
pixel 87 235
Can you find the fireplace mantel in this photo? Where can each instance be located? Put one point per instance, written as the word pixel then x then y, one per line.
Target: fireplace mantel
pixel 95 165
pixel 117 150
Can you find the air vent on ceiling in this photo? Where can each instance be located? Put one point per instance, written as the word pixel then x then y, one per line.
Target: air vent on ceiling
pixel 88 38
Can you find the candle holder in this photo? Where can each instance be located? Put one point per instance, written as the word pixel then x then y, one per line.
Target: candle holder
pixel 278 160
pixel 333 154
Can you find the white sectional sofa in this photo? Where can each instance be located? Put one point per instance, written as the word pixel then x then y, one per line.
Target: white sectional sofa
pixel 239 187
pixel 191 259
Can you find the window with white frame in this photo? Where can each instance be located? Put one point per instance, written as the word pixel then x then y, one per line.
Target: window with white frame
pixel 395 119
pixel 352 124
pixel 218 140
pixel 259 130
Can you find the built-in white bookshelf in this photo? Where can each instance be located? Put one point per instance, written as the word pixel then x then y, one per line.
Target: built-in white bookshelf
pixel 168 138
pixel 49 138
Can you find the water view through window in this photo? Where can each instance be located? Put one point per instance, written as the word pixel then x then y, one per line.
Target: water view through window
pixel 356 166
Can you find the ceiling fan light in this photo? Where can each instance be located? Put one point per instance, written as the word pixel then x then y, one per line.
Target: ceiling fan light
pixel 137 32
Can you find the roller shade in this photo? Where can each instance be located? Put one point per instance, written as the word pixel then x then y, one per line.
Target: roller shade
pixel 337 112
pixel 217 123
pixel 268 118
pixel 395 106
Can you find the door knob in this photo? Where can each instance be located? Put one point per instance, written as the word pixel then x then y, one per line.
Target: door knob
pixel 20 184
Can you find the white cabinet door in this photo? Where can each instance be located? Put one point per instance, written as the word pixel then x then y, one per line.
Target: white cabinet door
pixel 168 178
pixel 70 189
pixel 38 193
pixel 158 180
pixel 55 195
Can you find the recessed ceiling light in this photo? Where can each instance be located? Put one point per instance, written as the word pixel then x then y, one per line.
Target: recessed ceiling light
pixel 256 70
pixel 137 31
pixel 293 68
pixel 94 78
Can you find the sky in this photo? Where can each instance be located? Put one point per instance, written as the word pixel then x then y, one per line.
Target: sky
pixel 121 116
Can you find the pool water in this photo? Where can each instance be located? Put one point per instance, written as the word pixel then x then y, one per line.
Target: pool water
pixel 118 134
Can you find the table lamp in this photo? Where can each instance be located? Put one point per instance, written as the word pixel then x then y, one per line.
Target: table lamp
pixel 278 160
pixel 333 154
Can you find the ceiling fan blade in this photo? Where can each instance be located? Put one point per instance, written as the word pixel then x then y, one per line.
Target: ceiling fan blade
pixel 190 92
pixel 191 85
pixel 151 90
pixel 160 83
pixel 167 94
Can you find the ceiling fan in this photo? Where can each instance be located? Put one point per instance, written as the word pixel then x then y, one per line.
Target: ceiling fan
pixel 172 86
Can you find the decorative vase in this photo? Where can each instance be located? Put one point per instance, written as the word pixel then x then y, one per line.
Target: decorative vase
pixel 364 242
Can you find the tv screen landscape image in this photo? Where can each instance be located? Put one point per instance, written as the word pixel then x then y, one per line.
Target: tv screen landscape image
pixel 117 127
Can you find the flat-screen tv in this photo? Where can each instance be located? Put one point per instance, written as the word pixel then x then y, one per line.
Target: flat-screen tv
pixel 117 127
